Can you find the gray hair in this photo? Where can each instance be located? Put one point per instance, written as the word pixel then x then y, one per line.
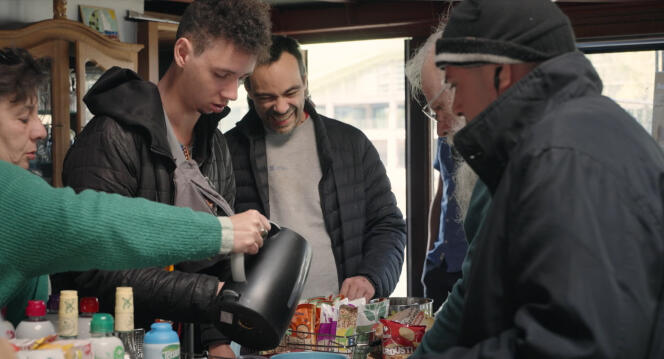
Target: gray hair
pixel 413 68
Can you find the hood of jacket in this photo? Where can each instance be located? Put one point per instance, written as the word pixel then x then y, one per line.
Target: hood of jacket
pixel 122 95
pixel 487 141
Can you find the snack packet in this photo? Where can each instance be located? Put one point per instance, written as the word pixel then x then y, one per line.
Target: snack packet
pixel 405 316
pixel 327 330
pixel 400 340
pixel 370 314
pixel 72 348
pixel 302 325
pixel 346 324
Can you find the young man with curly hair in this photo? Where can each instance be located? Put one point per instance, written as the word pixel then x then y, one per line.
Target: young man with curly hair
pixel 125 149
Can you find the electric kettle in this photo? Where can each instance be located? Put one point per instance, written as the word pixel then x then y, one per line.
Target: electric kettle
pixel 257 306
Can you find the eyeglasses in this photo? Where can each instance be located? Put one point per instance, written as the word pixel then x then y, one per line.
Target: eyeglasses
pixel 428 110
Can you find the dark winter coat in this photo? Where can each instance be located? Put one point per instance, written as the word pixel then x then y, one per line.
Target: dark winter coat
pixel 570 260
pixel 124 150
pixel 361 216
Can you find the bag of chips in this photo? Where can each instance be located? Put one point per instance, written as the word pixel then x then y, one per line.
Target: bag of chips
pixel 400 340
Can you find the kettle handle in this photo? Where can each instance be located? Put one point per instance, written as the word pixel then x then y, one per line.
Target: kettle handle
pixel 237 259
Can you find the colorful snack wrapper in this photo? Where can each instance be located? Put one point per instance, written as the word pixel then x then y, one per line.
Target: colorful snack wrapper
pixel 327 329
pixel 370 314
pixel 346 324
pixel 400 340
pixel 302 325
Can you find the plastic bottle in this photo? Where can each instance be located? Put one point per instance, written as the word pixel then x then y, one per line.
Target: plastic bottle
pixel 124 321
pixel 87 307
pixel 52 307
pixel 161 342
pixel 6 327
pixel 68 314
pixel 124 309
pixel 36 326
pixel 104 344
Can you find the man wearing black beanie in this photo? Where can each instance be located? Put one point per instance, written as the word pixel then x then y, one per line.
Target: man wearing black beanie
pixel 568 262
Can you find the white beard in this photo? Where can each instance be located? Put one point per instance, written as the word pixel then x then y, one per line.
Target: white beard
pixel 464 181
pixel 464 178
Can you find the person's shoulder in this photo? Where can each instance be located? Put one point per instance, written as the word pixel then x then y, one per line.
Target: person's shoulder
pixel 102 129
pixel 341 130
pixel 233 132
pixel 11 173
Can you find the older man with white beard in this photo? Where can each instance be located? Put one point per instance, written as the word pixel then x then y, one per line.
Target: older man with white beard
pixel 471 195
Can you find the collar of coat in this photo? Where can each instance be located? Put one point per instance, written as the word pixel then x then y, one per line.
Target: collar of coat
pixel 487 141
pixel 122 95
pixel 251 126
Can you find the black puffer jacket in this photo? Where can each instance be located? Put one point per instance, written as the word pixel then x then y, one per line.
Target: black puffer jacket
pixel 124 150
pixel 361 216
pixel 570 260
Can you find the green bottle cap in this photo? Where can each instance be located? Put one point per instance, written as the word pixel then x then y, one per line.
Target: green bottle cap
pixel 101 323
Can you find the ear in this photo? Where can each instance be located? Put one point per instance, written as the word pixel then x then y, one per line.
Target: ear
pixel 183 51
pixel 247 87
pixel 505 78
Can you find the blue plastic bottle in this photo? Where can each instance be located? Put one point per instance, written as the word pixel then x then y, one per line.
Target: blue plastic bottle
pixel 161 342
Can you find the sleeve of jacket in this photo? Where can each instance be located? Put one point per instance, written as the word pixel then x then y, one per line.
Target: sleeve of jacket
pixel 444 333
pixel 577 273
pixel 178 296
pixel 385 229
pixel 104 158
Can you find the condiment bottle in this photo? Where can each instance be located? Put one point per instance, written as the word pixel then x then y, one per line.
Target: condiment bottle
pixel 7 330
pixel 124 321
pixel 35 326
pixel 104 344
pixel 161 342
pixel 87 307
pixel 68 314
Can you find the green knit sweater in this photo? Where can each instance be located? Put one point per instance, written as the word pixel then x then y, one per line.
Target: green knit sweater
pixel 445 330
pixel 49 230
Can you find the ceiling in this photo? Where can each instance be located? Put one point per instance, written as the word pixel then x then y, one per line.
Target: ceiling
pixel 312 21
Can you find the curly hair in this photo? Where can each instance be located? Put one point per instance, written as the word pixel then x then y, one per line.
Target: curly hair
pixel 246 23
pixel 20 75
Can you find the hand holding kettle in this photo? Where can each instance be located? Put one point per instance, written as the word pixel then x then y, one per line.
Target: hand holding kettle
pixel 249 230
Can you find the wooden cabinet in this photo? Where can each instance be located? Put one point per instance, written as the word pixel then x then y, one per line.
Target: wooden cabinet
pixel 69 49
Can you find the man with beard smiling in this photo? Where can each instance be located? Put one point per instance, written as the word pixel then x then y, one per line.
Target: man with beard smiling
pixel 471 195
pixel 318 176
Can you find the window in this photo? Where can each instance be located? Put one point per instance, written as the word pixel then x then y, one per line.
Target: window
pixel 366 90
pixel 635 80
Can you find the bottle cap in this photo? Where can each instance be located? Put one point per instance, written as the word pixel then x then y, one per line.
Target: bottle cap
pixel 101 323
pixel 68 302
pixel 161 333
pixel 35 308
pixel 89 305
pixel 53 302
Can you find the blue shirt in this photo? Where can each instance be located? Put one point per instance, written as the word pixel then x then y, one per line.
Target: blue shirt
pixel 451 243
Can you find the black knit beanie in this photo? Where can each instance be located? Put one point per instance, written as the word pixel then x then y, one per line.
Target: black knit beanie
pixel 504 32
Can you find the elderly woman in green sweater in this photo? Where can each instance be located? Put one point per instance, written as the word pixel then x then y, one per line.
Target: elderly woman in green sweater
pixel 49 230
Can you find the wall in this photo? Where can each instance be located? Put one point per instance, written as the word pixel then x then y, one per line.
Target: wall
pixel 27 11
